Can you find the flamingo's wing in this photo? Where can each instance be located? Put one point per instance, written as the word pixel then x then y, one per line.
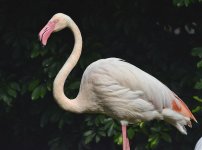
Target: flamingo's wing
pixel 121 102
pixel 129 82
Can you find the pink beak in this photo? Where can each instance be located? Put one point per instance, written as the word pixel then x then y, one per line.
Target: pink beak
pixel 45 33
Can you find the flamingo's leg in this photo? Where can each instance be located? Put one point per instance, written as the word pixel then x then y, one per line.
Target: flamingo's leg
pixel 126 145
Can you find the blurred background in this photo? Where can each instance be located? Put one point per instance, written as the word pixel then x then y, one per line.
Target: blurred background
pixel 162 37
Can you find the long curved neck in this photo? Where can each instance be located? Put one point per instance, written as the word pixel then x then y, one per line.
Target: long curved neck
pixel 58 85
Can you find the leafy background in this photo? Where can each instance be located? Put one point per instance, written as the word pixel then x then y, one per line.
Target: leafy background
pixel 162 37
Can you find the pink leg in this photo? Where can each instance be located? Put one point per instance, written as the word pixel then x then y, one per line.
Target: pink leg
pixel 126 145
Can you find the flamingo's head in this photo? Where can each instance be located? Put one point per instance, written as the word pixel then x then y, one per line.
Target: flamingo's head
pixel 58 22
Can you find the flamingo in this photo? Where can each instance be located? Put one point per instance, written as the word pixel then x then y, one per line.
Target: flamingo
pixel 116 88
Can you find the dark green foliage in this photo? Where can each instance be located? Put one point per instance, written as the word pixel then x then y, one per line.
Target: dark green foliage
pixel 156 36
pixel 186 3
pixel 198 52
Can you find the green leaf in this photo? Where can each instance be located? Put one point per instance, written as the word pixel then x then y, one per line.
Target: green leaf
pixel 107 125
pixel 102 133
pixel 178 3
pixel 131 133
pixel 97 121
pixel 33 84
pixel 43 91
pixel 36 93
pixel 110 130
pixel 118 139
pixel 187 2
pixel 197 109
pixel 153 141
pixel 97 138
pixel 12 92
pixel 198 85
pixel 15 86
pixel 89 138
pixel 7 99
pixel 49 85
pixel 35 53
pixel 155 129
pixel 141 124
pixel 199 64
pixel 198 99
pixel 166 137
pixel 39 92
pixel 87 133
pixel 197 52
pixel 101 118
pixel 52 70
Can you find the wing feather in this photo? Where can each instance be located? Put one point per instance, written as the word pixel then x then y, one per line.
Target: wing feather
pixel 132 78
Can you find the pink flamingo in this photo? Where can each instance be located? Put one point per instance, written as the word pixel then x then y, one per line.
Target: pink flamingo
pixel 116 88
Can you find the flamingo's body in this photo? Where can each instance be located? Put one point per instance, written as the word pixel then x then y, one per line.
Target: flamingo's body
pixel 116 88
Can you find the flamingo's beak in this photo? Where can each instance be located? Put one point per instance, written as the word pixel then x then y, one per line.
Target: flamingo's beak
pixel 45 33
